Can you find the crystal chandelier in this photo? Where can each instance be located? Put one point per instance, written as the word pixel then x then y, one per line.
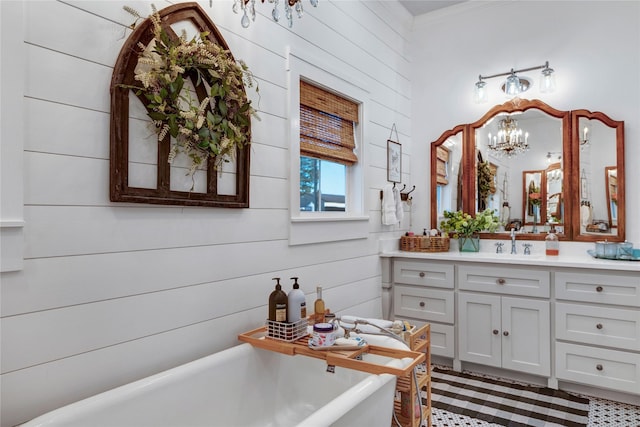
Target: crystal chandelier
pixel 509 141
pixel 248 8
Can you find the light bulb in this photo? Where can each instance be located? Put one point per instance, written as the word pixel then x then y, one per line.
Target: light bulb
pixel 548 80
pixel 480 93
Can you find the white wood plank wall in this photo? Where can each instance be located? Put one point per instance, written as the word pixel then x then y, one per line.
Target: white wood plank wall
pixel 111 293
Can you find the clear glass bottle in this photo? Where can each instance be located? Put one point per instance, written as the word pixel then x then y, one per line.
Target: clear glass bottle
pixel 318 306
pixel 551 242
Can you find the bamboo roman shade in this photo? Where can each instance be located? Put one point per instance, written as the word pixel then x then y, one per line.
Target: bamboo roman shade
pixel 443 160
pixel 327 124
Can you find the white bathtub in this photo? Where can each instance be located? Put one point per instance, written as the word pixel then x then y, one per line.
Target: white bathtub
pixel 241 386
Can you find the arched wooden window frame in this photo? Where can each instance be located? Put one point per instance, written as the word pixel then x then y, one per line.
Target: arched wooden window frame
pixel 123 74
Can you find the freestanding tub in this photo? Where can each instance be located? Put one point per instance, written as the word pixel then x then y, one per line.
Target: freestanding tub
pixel 242 386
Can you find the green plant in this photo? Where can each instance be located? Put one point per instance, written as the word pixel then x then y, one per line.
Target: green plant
pixel 201 127
pixel 462 224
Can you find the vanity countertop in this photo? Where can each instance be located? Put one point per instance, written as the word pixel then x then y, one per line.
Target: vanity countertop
pixel 573 260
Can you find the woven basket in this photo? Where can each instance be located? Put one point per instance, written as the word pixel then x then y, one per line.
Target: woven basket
pixel 424 244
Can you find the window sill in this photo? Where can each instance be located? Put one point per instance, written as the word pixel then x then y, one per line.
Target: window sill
pixel 318 229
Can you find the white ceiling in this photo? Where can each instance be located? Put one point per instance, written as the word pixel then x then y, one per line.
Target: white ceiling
pixel 419 7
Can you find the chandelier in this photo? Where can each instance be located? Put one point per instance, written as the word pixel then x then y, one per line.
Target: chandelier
pixel 509 141
pixel 248 8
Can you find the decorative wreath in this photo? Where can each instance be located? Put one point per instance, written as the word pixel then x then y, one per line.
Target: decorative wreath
pixel 201 128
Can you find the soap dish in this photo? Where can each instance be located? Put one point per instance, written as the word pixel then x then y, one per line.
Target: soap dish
pixel 634 257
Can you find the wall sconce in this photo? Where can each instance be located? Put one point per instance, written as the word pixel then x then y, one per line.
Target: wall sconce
pixel 550 155
pixel 584 140
pixel 515 85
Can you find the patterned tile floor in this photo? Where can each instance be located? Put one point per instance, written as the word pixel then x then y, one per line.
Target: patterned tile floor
pixel 602 413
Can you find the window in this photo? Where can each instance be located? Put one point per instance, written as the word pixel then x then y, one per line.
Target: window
pixel 327 151
pixel 327 143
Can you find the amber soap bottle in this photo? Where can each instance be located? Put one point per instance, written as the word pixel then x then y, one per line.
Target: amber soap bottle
pixel 278 303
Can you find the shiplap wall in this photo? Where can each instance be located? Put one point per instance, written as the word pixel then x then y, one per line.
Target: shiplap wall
pixel 110 293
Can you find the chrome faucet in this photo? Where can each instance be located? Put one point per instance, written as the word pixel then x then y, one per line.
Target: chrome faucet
pixel 527 248
pixel 499 247
pixel 513 241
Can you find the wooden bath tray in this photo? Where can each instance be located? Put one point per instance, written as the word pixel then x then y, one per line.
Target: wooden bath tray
pixel 343 358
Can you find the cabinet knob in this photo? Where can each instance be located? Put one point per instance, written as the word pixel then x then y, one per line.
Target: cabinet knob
pixel 505 333
pixel 599 326
pixel 422 304
pixel 599 289
pixel 495 332
pixel 501 281
pixel 599 367
pixel 421 274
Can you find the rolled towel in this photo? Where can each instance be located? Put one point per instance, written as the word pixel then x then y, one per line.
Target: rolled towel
pixel 349 322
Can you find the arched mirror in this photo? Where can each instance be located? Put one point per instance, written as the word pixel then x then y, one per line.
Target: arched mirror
pixel 518 141
pixel 599 153
pixel 536 166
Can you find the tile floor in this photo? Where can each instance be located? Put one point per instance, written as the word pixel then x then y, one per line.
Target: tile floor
pixel 602 413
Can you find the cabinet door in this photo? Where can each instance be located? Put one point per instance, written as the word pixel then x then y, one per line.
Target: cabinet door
pixel 526 335
pixel 479 328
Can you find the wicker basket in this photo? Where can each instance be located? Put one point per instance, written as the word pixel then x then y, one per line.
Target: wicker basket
pixel 424 244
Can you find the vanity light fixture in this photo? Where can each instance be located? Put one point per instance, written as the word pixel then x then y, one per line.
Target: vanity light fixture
pixel 550 155
pixel 515 85
pixel 248 8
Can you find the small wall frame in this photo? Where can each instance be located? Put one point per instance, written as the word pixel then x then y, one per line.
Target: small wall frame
pixel 394 161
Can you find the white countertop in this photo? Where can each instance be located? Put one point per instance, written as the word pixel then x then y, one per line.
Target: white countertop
pixel 573 260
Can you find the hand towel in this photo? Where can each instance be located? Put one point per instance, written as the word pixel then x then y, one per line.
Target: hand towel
pixel 388 206
pixel 398 204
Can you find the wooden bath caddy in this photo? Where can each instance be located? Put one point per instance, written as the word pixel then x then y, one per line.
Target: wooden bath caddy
pixel 337 357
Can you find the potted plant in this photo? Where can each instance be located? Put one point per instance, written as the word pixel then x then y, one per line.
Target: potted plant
pixel 466 228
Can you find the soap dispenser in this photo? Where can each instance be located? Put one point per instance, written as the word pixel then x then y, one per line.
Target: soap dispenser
pixel 551 242
pixel 297 304
pixel 278 303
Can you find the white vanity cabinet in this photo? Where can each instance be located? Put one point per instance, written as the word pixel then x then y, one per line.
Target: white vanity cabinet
pixel 598 329
pixel 495 327
pixel 423 292
pixel 573 320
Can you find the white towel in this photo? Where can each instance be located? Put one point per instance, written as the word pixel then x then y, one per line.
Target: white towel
pixel 398 202
pixel 349 322
pixel 388 206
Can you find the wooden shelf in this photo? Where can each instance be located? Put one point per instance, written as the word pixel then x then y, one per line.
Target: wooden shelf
pixel 342 358
pixel 418 339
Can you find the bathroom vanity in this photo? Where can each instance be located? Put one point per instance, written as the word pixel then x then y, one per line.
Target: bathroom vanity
pixel 570 320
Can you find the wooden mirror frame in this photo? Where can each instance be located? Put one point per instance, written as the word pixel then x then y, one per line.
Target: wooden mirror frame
pixel 571 165
pixel 576 115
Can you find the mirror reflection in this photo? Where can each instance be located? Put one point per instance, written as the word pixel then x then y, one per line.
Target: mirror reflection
pixel 522 147
pixel 449 174
pixel 598 180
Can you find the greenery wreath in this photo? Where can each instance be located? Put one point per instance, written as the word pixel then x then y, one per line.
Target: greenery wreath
pixel 210 127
